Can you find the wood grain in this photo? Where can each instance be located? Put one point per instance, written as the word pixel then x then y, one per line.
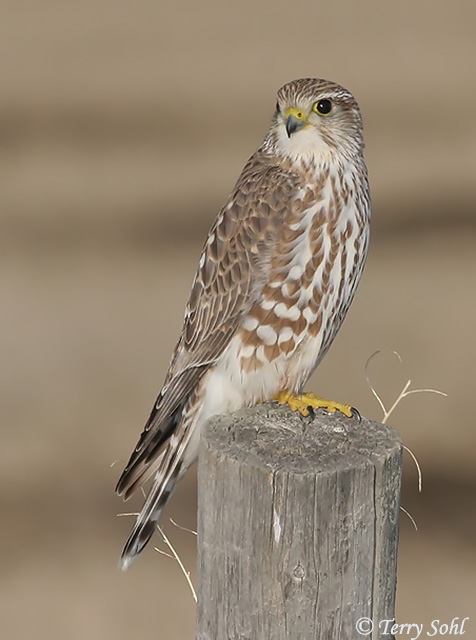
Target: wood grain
pixel 297 525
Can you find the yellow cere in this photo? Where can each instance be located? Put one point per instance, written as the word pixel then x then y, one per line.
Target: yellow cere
pixel 297 113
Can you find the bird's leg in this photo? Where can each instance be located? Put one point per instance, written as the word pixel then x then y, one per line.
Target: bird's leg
pixel 306 402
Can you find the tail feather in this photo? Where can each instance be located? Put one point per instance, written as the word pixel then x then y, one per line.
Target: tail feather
pixel 147 456
pixel 179 453
pixel 148 519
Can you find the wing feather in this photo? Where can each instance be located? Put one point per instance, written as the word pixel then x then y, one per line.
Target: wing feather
pixel 231 275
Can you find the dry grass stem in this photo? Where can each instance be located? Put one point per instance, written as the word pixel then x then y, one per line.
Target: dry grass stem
pixel 406 391
pixel 183 528
pixel 173 555
pixel 412 520
pixel 113 464
pixel 176 557
pixel 417 465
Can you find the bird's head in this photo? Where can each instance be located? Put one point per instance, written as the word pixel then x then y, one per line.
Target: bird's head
pixel 315 120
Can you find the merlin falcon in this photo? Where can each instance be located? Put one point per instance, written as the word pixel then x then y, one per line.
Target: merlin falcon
pixel 275 279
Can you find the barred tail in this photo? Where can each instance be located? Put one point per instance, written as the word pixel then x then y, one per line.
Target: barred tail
pixel 149 517
pixel 179 453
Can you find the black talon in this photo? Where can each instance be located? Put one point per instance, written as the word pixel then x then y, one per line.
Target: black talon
pixel 356 414
pixel 312 413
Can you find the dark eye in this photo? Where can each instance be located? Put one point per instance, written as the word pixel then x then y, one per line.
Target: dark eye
pixel 323 107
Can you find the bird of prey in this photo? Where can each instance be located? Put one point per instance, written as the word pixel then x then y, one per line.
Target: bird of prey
pixel 275 279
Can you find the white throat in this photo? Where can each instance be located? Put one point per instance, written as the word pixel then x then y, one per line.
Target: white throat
pixel 305 145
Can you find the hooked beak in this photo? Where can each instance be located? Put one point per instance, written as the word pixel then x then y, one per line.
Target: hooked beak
pixel 295 120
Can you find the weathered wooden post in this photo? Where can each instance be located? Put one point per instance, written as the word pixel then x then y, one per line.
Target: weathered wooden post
pixel 297 526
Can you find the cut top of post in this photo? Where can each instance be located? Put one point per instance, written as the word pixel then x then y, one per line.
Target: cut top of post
pixel 273 435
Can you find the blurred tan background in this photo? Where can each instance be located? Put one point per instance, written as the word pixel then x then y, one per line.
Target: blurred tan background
pixel 122 129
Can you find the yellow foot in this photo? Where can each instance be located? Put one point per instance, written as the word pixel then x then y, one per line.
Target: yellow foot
pixel 306 402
